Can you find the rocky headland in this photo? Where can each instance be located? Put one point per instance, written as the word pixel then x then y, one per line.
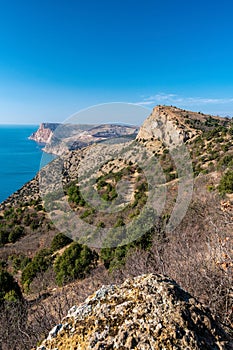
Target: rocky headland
pixel 44 133
pixel 59 138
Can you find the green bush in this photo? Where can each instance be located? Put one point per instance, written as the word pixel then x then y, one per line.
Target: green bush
pixel 226 161
pixel 27 220
pixel 40 263
pixel 60 241
pixel 3 237
pixel 101 183
pixel 107 255
pixel 107 190
pixel 114 257
pixel 85 214
pixel 19 262
pixel 34 225
pixel 226 183
pixel 74 195
pixel 16 234
pixel 119 222
pixel 9 288
pixel 39 207
pixel 76 261
pixel 9 213
pixel 225 148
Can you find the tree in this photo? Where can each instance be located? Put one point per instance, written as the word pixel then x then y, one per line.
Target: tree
pixel 40 263
pixel 76 261
pixel 9 288
pixel 226 183
pixel 59 241
pixel 3 237
pixel 74 195
pixel 15 234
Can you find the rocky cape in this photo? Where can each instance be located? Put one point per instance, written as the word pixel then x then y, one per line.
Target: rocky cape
pixel 44 133
pixel 59 138
pixel 146 312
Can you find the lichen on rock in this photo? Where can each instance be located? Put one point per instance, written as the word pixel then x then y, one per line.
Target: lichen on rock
pixel 146 312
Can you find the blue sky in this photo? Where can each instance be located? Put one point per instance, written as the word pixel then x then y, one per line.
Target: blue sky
pixel 59 57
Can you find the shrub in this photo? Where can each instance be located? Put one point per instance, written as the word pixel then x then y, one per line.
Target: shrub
pixel 19 262
pixel 114 257
pixel 34 225
pixel 226 183
pixel 225 148
pixel 74 263
pixel 210 188
pixel 225 161
pixel 27 220
pixel 9 288
pixel 3 237
pixel 74 195
pixel 60 241
pixel 86 213
pixel 15 234
pixel 40 263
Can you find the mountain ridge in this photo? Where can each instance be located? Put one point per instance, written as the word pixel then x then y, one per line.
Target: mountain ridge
pixel 198 254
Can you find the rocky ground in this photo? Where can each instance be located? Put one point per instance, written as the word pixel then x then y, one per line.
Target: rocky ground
pixel 147 312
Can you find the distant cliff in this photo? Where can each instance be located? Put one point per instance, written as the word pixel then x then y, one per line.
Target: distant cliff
pixel 44 133
pixel 76 136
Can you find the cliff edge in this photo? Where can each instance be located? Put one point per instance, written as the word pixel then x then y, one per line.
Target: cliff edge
pixel 44 133
pixel 146 312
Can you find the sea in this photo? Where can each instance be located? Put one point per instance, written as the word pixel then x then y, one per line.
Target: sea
pixel 20 158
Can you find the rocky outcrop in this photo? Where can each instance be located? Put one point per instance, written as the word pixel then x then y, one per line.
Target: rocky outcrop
pixel 44 133
pixel 146 312
pixel 172 126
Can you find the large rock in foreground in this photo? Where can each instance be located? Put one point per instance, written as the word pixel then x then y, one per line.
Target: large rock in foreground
pixel 147 312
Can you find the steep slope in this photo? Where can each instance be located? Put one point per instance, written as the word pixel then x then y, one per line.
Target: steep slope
pixel 147 312
pixel 198 254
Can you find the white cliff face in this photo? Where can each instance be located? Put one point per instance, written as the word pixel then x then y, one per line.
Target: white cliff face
pixel 167 127
pixel 44 133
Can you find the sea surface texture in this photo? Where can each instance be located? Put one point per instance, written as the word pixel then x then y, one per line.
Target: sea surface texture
pixel 20 158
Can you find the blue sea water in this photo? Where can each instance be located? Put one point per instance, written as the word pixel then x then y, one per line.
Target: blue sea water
pixel 19 157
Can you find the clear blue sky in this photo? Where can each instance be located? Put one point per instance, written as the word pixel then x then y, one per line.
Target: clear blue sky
pixel 57 57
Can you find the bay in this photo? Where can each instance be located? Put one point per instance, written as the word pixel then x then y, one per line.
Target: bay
pixel 20 157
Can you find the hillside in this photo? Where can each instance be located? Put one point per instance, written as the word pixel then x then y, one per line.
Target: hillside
pixel 180 164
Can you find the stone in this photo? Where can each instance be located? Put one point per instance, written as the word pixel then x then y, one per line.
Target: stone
pixel 145 312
